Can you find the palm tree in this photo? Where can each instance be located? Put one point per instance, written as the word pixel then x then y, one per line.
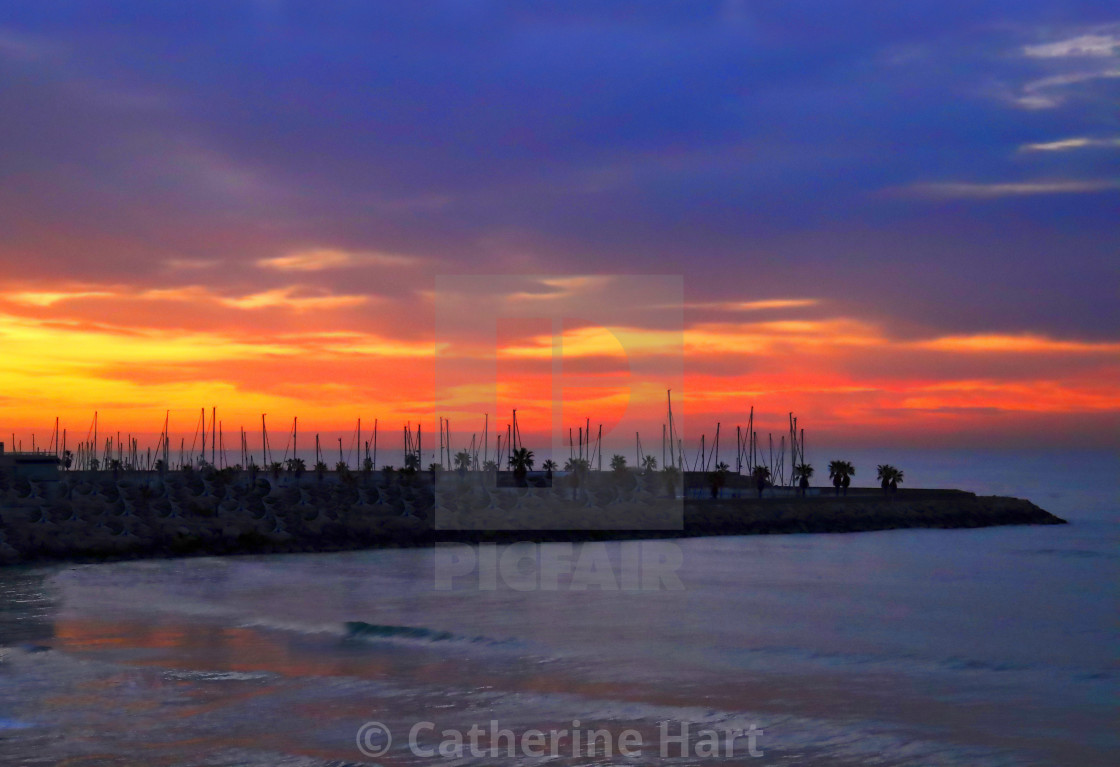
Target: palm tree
pixel 577 465
pixel 649 464
pixel 802 472
pixel 411 463
pixel 367 466
pixel 883 474
pixel 841 472
pixel 275 467
pixel 490 466
pixel 761 477
pixel 618 463
pixel 718 478
pixel 463 461
pixel 889 477
pixel 320 469
pixel 549 466
pixel 522 463
pixel 343 471
pixel 296 466
pixel 578 468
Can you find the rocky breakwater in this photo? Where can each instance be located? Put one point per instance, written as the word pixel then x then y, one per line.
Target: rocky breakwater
pixel 90 516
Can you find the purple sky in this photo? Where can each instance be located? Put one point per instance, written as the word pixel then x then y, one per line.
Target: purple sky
pixel 931 168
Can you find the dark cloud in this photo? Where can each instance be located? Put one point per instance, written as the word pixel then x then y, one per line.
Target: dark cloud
pixel 753 146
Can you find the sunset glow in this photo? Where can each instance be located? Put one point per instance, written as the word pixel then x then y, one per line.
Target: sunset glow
pixel 930 259
pixel 846 378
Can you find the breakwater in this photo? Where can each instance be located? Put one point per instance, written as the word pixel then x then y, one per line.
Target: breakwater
pixel 90 516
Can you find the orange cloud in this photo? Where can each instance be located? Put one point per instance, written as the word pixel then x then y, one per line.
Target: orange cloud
pixel 50 298
pixel 1020 344
pixel 133 353
pixel 325 258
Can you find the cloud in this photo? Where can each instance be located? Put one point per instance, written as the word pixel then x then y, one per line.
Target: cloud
pixel 1062 145
pixel 1084 45
pixel 286 298
pixel 42 344
pixel 324 258
pixel 1016 344
pixel 754 306
pixel 1095 54
pixel 972 191
pixel 50 298
pixel 1072 78
pixel 780 336
pixel 1038 102
pixel 1039 94
pixel 1038 396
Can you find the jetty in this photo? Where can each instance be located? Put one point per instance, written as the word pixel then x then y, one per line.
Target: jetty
pixel 97 516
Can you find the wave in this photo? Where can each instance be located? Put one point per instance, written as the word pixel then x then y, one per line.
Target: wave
pixel 217 676
pixel 903 661
pixel 1073 553
pixel 373 632
pixel 362 631
pixel 14 724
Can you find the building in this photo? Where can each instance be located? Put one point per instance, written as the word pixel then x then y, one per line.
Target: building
pixel 38 466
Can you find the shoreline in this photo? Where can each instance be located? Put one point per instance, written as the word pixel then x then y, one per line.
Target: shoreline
pixel 107 519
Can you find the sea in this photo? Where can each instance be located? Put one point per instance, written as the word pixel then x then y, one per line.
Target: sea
pixel 997 646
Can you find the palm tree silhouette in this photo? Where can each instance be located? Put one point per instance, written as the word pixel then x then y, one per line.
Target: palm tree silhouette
pixel 522 463
pixel 549 466
pixel 718 478
pixel 841 472
pixel 578 468
pixel 462 461
pixel 803 471
pixel 889 477
pixel 343 471
pixel 761 476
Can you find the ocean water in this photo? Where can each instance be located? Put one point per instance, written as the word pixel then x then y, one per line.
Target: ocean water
pixel 920 647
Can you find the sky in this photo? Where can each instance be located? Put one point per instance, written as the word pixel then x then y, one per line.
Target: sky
pixel 898 221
